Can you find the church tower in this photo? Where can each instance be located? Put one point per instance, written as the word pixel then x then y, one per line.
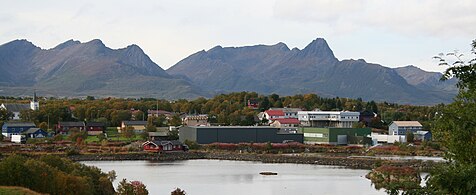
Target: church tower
pixel 34 104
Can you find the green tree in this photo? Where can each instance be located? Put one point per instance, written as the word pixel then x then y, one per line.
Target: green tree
pixel 455 128
pixel 128 132
pixel 44 126
pixel 175 120
pixel 456 124
pixel 410 137
pixel 5 115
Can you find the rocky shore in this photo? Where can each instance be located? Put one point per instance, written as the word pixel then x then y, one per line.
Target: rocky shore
pixel 344 161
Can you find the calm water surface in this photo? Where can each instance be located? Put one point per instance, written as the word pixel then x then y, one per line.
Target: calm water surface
pixel 239 177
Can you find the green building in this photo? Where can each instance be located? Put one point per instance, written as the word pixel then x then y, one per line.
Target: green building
pixel 337 136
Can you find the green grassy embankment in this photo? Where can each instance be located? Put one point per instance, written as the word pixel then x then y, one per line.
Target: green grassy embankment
pixel 14 190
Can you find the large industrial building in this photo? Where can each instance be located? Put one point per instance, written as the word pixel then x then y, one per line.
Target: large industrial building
pixel 337 136
pixel 344 119
pixel 238 134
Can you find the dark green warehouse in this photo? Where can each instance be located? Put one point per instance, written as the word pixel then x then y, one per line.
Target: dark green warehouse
pixel 237 134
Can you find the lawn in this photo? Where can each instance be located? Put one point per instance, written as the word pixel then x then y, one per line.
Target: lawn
pixel 113 135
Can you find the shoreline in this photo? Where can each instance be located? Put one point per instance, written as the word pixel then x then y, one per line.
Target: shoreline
pixel 343 161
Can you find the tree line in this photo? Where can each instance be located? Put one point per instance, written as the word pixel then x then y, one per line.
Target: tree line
pixel 223 109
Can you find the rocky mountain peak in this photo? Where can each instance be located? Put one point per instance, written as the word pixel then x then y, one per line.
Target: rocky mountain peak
pixel 281 46
pixel 95 43
pixel 319 48
pixel 19 43
pixel 66 44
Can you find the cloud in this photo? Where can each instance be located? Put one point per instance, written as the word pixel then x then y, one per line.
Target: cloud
pixel 423 17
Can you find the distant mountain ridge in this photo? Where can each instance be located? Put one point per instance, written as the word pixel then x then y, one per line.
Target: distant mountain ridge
pixel 314 69
pixel 79 69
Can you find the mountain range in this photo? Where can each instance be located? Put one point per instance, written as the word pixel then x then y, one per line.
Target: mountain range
pixel 314 69
pixel 79 69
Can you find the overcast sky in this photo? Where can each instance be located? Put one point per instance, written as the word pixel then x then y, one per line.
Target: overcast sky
pixel 391 33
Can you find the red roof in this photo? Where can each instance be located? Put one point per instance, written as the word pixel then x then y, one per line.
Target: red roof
pixel 287 120
pixel 275 112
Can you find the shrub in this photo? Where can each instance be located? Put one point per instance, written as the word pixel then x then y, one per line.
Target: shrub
pixel 72 151
pixel 132 187
pixel 54 175
pixel 178 191
pixel 192 145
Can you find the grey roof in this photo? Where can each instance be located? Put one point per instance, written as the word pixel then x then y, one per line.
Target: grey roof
pixel 135 122
pixel 159 112
pixel 95 124
pixel 31 130
pixel 233 127
pixel 164 142
pixel 159 133
pixel 19 124
pixel 71 124
pixel 17 107
pixel 421 132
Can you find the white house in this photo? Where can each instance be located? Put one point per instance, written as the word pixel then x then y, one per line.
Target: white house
pixel 277 113
pixel 340 119
pixel 401 127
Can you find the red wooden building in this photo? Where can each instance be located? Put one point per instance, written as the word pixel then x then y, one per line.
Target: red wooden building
pixel 164 146
pixel 64 127
pixel 95 128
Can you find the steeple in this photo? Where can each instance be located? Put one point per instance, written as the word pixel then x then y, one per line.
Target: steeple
pixel 34 104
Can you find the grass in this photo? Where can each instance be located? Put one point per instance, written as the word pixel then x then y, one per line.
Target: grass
pixel 13 190
pixel 113 135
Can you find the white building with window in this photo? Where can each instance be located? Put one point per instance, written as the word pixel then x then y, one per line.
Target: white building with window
pixel 340 119
pixel 401 127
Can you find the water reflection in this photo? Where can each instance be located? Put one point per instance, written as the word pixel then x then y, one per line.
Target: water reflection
pixel 240 177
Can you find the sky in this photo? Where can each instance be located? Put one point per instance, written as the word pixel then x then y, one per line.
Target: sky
pixel 392 33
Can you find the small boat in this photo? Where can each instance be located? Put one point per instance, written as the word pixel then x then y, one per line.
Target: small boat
pixel 268 173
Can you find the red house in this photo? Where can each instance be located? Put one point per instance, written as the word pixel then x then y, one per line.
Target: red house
pixel 164 146
pixel 253 104
pixel 64 127
pixel 95 128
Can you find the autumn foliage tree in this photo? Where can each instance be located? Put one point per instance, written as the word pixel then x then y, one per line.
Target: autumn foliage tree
pixel 131 188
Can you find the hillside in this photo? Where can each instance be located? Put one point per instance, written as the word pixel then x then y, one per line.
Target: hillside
pixel 79 69
pixel 314 69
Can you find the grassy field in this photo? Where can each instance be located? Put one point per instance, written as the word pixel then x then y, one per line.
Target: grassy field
pixel 13 190
pixel 113 135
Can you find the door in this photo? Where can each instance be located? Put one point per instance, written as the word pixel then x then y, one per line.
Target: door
pixel 341 139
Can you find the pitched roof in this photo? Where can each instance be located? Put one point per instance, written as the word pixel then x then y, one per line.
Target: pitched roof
pixel 158 133
pixel 422 132
pixel 287 109
pixel 408 123
pixel 17 107
pixel 165 142
pixel 32 130
pixel 71 124
pixel 196 117
pixel 95 124
pixel 159 112
pixel 135 122
pixel 287 120
pixel 275 112
pixel 19 124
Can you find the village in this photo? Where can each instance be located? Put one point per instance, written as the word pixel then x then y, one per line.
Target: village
pixel 274 126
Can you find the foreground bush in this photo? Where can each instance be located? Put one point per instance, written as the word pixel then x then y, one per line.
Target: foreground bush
pixel 54 175
pixel 131 188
